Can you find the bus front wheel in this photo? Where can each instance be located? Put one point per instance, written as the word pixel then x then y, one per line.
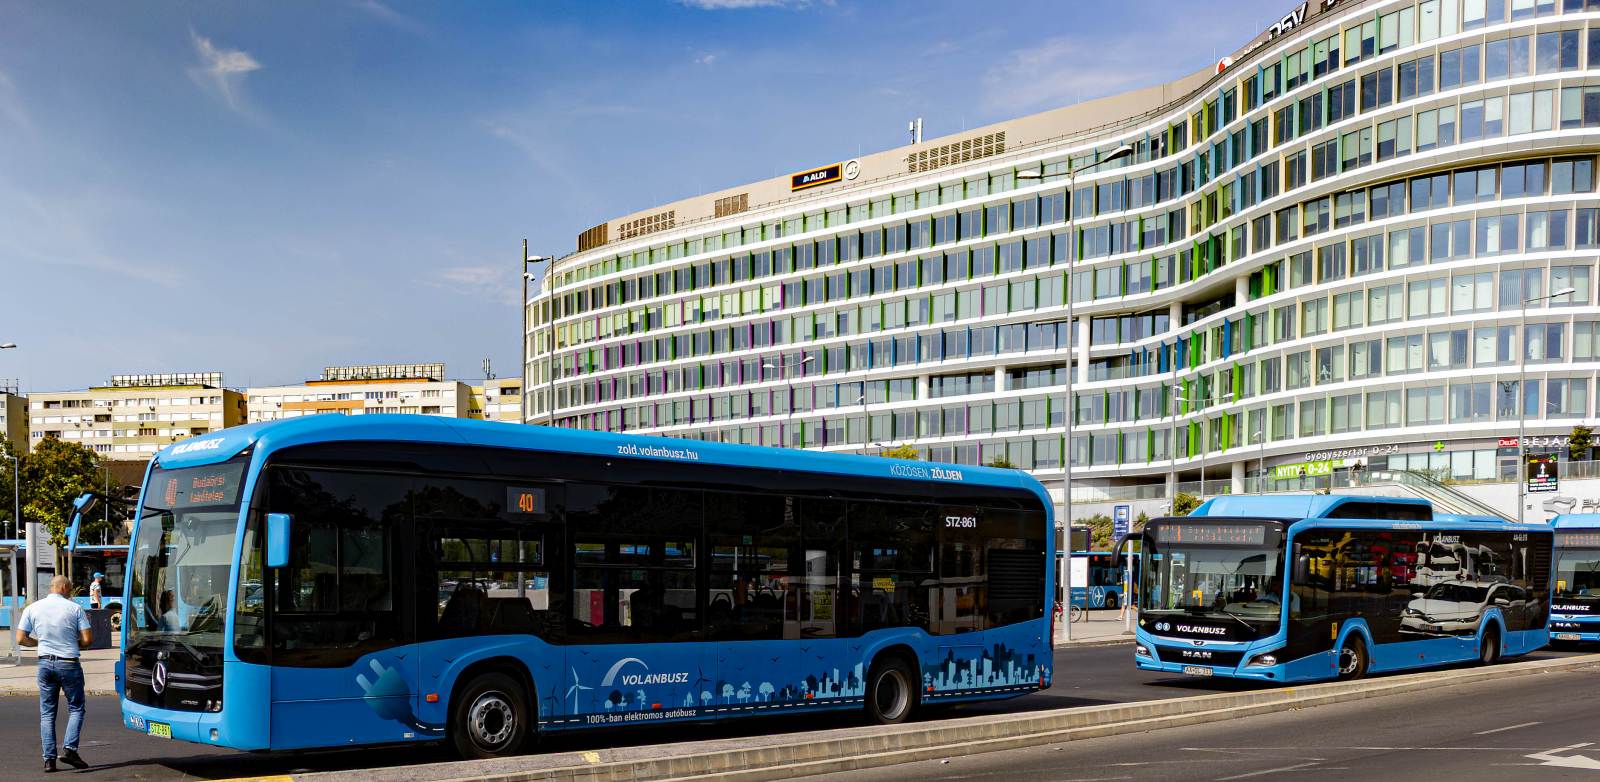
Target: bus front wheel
pixel 1352 659
pixel 490 717
pixel 891 693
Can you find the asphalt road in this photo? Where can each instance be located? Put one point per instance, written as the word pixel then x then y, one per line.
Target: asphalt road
pixel 1084 676
pixel 1532 729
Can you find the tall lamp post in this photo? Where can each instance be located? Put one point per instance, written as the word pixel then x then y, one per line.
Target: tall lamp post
pixel 16 490
pixel 1205 432
pixel 1522 398
pixel 550 363
pixel 1072 257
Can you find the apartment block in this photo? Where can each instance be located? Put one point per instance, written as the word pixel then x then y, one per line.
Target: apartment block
pixel 369 389
pixel 133 416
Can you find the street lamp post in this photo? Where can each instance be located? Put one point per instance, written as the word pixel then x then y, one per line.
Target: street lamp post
pixel 16 489
pixel 1261 476
pixel 1522 397
pixel 550 368
pixel 7 345
pixel 1205 434
pixel 1072 258
pixel 866 421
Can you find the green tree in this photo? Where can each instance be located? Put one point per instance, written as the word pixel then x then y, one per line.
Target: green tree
pixel 7 495
pixel 900 452
pixel 54 473
pixel 1003 463
pixel 1184 503
pixel 1582 440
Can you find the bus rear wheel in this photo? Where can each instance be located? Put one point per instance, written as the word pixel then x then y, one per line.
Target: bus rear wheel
pixel 1352 659
pixel 1489 647
pixel 1111 601
pixel 891 691
pixel 489 718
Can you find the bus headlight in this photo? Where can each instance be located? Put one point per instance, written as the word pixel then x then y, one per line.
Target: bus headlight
pixel 1139 650
pixel 1262 661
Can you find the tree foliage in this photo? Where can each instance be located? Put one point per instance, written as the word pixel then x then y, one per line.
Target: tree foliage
pixel 1184 503
pixel 54 473
pixel 1003 463
pixel 900 452
pixel 1581 441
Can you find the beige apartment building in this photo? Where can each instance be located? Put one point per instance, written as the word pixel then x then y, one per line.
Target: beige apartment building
pixel 419 389
pixel 497 399
pixel 134 416
pixel 13 414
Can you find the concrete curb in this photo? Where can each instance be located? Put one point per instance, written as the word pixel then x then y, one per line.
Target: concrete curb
pixel 852 749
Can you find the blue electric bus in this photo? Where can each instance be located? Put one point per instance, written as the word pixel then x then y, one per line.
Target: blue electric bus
pixel 1307 587
pixel 1575 607
pixel 345 581
pixel 1098 584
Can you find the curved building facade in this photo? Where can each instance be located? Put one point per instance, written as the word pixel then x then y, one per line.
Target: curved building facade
pixel 1335 248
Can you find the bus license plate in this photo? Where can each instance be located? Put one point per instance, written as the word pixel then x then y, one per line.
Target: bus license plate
pixel 1196 670
pixel 160 730
pixel 1568 637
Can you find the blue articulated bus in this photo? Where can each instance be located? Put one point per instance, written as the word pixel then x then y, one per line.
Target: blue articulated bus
pixel 1310 587
pixel 1098 583
pixel 1575 606
pixel 87 560
pixel 337 581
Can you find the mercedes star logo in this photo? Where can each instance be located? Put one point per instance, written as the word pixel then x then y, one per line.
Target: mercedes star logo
pixel 158 677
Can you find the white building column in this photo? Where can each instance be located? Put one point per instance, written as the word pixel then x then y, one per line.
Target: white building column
pixel 1241 290
pixel 1238 477
pixel 1083 351
pixel 1000 379
pixel 922 387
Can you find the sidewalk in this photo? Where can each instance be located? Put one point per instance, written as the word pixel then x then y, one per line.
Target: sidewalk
pixel 99 672
pixel 1101 626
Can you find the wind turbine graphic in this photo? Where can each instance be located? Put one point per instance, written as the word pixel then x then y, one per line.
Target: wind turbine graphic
pixel 573 691
pixel 700 683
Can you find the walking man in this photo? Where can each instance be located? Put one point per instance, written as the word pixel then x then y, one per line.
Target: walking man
pixel 59 628
pixel 94 591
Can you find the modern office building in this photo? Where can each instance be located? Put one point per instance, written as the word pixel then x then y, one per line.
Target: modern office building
pixel 13 414
pixel 134 416
pixel 1335 247
pixel 419 389
pixel 497 399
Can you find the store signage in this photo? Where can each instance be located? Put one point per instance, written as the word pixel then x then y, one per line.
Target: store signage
pixel 1543 474
pixel 817 177
pixel 1312 469
pixel 1290 22
pixel 1352 453
pixel 1121 521
pixel 1555 441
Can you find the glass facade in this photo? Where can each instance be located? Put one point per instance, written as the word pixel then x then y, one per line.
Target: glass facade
pixel 1331 243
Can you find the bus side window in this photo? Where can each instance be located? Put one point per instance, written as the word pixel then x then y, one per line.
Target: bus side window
pixel 892 547
pixel 961 604
pixel 752 539
pixel 822 609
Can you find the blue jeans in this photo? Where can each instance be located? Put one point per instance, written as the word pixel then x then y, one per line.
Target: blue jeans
pixel 64 675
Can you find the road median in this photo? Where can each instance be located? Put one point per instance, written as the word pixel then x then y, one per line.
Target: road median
pixel 791 755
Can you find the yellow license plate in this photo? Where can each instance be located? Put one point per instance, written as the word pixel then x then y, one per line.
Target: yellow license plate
pixel 160 730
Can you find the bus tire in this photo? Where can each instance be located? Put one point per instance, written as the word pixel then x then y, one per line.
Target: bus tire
pixel 1489 646
pixel 1352 658
pixel 489 717
pixel 1111 601
pixel 116 619
pixel 891 693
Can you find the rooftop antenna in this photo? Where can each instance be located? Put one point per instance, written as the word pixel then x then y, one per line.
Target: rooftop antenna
pixel 915 128
pixel 488 369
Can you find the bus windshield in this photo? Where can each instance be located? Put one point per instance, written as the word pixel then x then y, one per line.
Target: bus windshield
pixel 181 558
pixel 1219 575
pixel 1578 573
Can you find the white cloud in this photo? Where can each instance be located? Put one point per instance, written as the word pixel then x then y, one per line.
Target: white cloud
pixel 222 69
pixel 706 58
pixel 495 283
pixel 737 5
pixel 1061 71
pixel 392 17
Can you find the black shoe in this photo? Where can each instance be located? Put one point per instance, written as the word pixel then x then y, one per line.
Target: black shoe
pixel 70 757
pixel 49 765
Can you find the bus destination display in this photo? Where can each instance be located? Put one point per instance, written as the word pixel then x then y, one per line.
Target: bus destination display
pixel 200 486
pixel 1214 534
pixel 522 500
pixel 1578 539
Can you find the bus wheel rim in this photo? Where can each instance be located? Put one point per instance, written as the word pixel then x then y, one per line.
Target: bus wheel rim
pixel 891 694
pixel 1349 660
pixel 491 720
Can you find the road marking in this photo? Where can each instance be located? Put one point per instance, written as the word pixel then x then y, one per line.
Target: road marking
pixel 1264 772
pixel 1506 728
pixel 1550 758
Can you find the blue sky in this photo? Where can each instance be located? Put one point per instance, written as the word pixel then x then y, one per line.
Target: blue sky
pixel 263 188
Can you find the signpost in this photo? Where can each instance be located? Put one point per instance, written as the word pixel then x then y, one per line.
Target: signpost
pixel 1543 473
pixel 1121 521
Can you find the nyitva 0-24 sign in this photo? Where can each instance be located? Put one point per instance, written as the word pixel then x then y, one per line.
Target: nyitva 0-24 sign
pixel 817 176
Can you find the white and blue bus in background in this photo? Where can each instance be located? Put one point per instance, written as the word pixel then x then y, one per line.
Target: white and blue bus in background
pixel 336 581
pixel 108 560
pixel 1097 579
pixel 1308 587
pixel 1575 606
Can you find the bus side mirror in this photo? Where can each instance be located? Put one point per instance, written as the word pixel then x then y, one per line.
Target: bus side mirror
pixel 277 539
